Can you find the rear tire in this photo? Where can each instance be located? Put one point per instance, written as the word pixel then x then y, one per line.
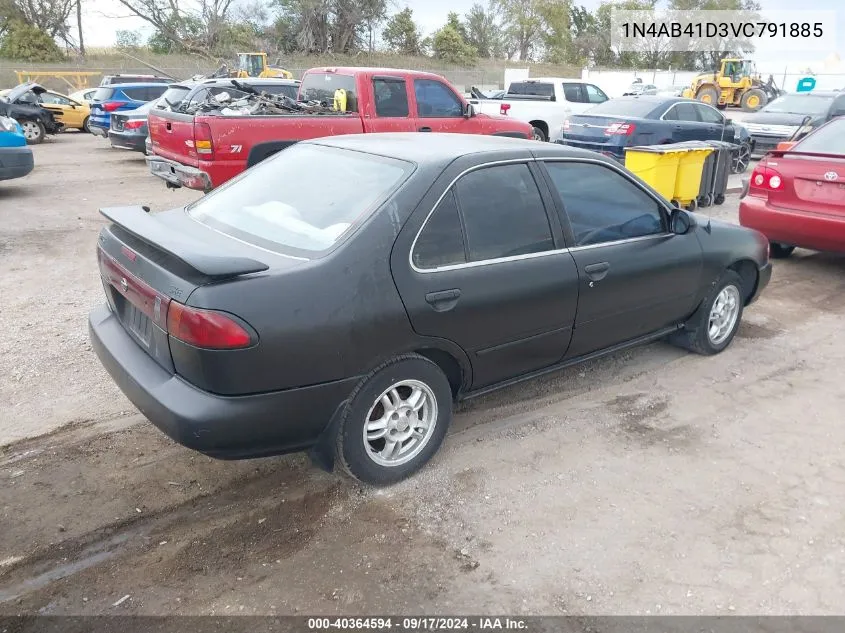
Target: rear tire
pixel 85 127
pixel 713 326
pixel 780 251
pixel 395 421
pixel 538 134
pixel 33 131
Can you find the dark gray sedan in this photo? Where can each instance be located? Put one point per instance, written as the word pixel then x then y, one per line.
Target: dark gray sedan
pixel 340 296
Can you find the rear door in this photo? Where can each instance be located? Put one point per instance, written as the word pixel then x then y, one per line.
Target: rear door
pixel 488 272
pixel 635 276
pixel 391 109
pixel 440 109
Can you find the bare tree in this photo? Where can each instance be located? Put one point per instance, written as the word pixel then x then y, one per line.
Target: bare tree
pixel 79 27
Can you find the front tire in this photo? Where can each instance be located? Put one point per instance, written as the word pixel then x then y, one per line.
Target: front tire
pixel 395 421
pixel 713 326
pixel 708 95
pixel 753 100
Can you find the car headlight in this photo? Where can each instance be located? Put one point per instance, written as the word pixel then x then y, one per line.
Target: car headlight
pixel 8 125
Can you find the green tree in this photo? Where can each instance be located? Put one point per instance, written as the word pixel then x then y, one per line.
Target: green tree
pixel 587 44
pixel 522 25
pixel 483 32
pixel 731 47
pixel 555 34
pixel 127 40
pixel 401 34
pixel 27 43
pixel 448 45
pixel 454 20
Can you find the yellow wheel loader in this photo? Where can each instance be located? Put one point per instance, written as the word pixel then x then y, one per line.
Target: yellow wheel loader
pixel 736 83
pixel 255 65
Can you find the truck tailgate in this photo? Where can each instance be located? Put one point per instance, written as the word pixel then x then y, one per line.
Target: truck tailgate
pixel 172 136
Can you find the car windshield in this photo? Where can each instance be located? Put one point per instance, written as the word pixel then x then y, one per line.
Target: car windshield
pixel 302 201
pixel 799 104
pixel 829 139
pixel 624 107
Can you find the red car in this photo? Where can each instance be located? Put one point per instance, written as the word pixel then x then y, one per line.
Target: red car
pixel 796 195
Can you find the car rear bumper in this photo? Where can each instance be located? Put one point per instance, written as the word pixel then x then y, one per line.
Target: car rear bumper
pixel 15 162
pixel 815 231
pixel 225 427
pixel 134 142
pixel 179 175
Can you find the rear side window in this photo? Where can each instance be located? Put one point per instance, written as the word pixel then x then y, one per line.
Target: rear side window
pixel 441 242
pixel 144 93
pixel 573 94
pixel 336 190
pixel 532 89
pixel 325 87
pixel 391 96
pixel 503 213
pixel 684 112
pixel 103 94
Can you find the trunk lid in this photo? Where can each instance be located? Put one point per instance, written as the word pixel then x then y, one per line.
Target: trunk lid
pixel 147 261
pixel 172 136
pixel 811 182
pixel 595 132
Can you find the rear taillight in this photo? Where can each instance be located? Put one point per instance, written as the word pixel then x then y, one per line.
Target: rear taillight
pixel 622 129
pixel 205 328
pixel 134 125
pixel 111 106
pixel 503 109
pixel 202 140
pixel 763 180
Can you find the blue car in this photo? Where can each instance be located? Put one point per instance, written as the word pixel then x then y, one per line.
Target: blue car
pixel 612 126
pixel 118 98
pixel 15 157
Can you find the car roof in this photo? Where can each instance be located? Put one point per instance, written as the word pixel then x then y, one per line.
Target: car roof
pixel 553 79
pixel 390 72
pixel 136 84
pixel 434 148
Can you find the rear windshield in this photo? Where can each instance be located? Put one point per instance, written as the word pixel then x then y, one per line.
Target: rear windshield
pixel 624 107
pixel 103 94
pixel 829 139
pixel 531 88
pixel 800 104
pixel 145 93
pixel 323 87
pixel 133 79
pixel 173 96
pixel 302 201
pixel 276 89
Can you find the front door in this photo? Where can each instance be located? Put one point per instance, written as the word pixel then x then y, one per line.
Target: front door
pixel 635 276
pixel 488 272
pixel 687 125
pixel 391 109
pixel 439 109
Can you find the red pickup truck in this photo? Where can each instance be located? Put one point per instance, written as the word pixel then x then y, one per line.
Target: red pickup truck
pixel 205 150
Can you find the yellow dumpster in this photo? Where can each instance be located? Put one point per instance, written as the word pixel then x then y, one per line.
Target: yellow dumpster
pixel 690 173
pixel 656 165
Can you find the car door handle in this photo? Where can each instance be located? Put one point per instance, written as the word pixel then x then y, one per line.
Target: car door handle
pixel 444 299
pixel 597 272
pixel 424 129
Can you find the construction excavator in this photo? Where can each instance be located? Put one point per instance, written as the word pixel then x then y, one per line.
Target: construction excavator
pixel 736 83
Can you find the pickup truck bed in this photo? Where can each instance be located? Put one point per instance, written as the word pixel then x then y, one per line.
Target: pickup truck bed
pixel 204 151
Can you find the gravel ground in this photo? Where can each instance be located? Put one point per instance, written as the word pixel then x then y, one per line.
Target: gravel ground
pixel 652 481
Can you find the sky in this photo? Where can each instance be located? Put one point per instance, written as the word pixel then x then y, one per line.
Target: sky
pixel 101 23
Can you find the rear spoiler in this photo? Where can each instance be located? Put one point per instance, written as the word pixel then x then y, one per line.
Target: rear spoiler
pixel 194 253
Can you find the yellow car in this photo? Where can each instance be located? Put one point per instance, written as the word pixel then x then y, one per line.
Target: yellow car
pixel 71 113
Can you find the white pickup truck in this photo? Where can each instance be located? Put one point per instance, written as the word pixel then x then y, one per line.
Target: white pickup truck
pixel 545 102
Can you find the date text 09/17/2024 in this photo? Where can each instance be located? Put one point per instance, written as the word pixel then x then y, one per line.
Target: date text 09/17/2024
pixel 409 624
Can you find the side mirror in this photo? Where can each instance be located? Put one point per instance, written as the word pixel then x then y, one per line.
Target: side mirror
pixel 680 222
pixel 469 111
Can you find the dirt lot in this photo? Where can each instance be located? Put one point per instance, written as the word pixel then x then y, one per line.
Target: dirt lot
pixel 650 482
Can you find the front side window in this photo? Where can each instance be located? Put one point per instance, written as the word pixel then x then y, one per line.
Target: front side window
pixel 441 241
pixel 503 213
pixel 435 99
pixel 594 94
pixel 709 115
pixel 304 200
pixel 391 98
pixel 602 205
